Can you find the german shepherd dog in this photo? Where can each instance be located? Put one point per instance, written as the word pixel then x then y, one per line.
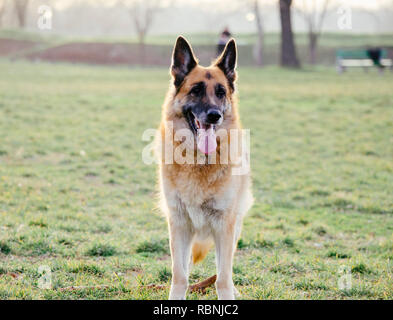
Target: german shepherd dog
pixel 204 202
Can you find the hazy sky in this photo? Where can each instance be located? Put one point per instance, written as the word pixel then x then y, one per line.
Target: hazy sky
pixel 95 18
pixel 366 4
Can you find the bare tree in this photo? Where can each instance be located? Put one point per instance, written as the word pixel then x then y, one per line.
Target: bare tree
pixel 142 13
pixel 2 10
pixel 3 5
pixel 254 7
pixel 314 17
pixel 21 7
pixel 288 51
pixel 260 34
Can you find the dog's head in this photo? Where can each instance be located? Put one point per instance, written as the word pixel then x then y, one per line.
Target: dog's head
pixel 203 95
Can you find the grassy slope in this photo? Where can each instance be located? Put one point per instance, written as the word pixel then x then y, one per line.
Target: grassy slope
pixel 271 39
pixel 75 195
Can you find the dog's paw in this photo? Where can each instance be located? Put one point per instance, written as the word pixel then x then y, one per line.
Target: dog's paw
pixel 236 292
pixel 225 290
pixel 177 293
pixel 176 297
pixel 226 294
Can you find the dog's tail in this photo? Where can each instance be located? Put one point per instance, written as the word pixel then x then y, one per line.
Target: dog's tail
pixel 200 249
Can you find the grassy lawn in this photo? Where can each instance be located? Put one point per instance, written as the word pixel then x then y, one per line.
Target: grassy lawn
pixel 76 197
pixel 328 39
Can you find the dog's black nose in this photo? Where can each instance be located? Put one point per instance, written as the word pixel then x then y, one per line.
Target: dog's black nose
pixel 213 116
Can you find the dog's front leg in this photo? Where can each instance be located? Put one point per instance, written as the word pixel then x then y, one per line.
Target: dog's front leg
pixel 180 242
pixel 225 247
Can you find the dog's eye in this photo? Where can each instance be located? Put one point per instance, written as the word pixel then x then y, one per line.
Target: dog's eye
pixel 196 91
pixel 220 92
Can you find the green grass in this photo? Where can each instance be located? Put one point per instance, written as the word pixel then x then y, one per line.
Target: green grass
pixel 328 39
pixel 76 196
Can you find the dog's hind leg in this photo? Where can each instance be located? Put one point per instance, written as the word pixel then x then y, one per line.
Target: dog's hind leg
pixel 180 243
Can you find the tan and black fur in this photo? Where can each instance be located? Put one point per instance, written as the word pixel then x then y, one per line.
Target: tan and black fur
pixel 204 203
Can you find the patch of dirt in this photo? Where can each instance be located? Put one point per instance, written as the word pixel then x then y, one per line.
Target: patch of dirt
pixel 97 52
pixel 164 257
pixel 11 46
pixel 103 53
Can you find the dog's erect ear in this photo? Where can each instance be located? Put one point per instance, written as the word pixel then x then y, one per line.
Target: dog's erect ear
pixel 227 61
pixel 183 60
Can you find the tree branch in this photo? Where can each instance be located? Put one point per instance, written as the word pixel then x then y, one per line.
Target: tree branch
pixel 322 17
pixel 142 14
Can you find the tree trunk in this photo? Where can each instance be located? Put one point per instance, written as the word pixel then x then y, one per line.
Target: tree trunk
pixel 141 37
pixel 142 24
pixel 2 11
pixel 21 19
pixel 142 49
pixel 260 35
pixel 21 11
pixel 288 51
pixel 312 47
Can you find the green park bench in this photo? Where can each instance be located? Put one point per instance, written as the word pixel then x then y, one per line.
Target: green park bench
pixel 346 58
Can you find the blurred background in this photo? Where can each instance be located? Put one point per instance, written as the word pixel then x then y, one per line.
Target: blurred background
pixel 143 32
pixel 81 81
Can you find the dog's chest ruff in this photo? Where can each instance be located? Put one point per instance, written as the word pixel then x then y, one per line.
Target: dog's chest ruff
pixel 202 196
pixel 205 215
pixel 204 210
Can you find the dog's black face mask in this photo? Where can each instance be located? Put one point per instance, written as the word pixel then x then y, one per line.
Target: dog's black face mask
pixel 203 115
pixel 203 118
pixel 206 91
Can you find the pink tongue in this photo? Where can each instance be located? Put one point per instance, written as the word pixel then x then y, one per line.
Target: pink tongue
pixel 207 142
